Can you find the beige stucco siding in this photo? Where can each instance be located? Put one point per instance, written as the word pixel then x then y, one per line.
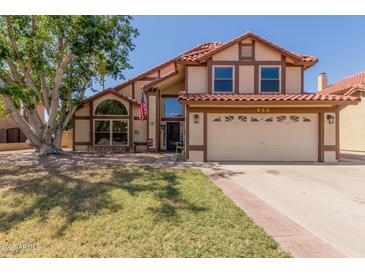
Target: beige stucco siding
pixel 228 54
pixel 293 79
pixel 110 96
pixel 167 69
pixel 352 126
pixel 197 79
pixel 152 119
pixel 82 130
pixel 128 90
pixel 137 89
pixel 196 156
pixel 196 129
pixel 140 131
pixel 329 131
pixel 246 79
pixel 84 111
pixel 263 53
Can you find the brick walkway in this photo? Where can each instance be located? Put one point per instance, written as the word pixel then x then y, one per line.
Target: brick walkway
pixel 290 235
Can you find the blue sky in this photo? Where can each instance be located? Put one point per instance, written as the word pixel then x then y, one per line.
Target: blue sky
pixel 338 41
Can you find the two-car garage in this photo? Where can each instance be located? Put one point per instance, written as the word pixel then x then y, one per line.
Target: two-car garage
pixel 262 137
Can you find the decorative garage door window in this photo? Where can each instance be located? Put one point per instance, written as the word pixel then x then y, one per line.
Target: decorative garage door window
pixel 111 107
pixel 229 118
pixel 242 118
pixel 218 119
pixel 306 119
pixel 281 118
pixel 269 119
pixel 294 118
pixel 111 132
pixel 254 119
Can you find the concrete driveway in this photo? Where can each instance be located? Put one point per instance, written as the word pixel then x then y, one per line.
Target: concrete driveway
pixel 328 200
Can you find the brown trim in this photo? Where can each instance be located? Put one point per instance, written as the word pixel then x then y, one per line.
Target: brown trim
pixel 158 121
pixel 283 74
pixel 91 122
pixel 302 79
pixel 159 73
pixel 262 110
pixel 196 147
pixel 337 132
pixel 82 117
pixel 186 70
pixel 256 78
pixel 170 96
pixel 73 132
pixel 236 78
pixel 136 118
pixel 187 122
pixel 101 117
pixel 210 76
pixel 133 91
pixel 149 78
pixel 320 137
pixel 171 119
pixel 130 124
pixel 148 117
pixel 245 63
pixel 329 148
pixel 253 49
pixel 82 143
pixel 205 136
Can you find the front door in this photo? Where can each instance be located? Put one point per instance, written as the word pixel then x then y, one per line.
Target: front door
pixel 172 135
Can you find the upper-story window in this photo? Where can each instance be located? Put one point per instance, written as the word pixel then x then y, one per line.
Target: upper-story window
pixel 223 79
pixel 111 107
pixel 172 108
pixel 270 79
pixel 246 52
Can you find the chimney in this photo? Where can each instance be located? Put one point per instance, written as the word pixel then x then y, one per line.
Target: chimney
pixel 322 81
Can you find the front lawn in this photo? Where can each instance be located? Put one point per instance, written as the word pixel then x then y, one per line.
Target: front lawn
pixel 101 211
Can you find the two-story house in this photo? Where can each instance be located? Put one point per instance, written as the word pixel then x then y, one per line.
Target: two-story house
pixel 242 100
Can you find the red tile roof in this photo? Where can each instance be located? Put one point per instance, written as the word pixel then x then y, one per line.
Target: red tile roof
pixel 301 97
pixel 202 52
pixel 356 81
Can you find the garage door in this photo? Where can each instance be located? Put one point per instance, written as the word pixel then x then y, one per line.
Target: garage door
pixel 262 137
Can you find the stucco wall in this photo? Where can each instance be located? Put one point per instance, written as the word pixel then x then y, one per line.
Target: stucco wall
pixel 139 131
pixel 329 130
pixel 196 129
pixel 128 90
pixel 293 79
pixel 352 126
pixel 263 53
pixel 152 119
pixel 82 130
pixel 84 111
pixel 167 69
pixel 246 79
pixel 228 54
pixel 196 156
pixel 197 79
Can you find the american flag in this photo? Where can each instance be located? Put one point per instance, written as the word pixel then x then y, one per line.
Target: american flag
pixel 143 113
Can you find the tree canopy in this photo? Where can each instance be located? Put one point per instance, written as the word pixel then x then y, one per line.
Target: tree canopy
pixel 53 60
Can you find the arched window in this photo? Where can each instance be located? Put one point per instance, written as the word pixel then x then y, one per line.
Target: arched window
pixel 111 107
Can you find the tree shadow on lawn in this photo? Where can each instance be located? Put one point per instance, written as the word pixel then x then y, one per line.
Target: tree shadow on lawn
pixel 80 198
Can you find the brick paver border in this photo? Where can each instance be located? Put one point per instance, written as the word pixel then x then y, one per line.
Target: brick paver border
pixel 291 236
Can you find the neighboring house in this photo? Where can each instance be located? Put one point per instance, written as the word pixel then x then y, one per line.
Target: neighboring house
pixel 9 130
pixel 242 100
pixel 352 127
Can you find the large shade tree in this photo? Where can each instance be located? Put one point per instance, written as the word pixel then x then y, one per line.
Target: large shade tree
pixel 53 60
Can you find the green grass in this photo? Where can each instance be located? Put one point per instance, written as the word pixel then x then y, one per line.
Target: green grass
pixel 103 211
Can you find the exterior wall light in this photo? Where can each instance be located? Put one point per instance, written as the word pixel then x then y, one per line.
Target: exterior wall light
pixel 196 118
pixel 330 119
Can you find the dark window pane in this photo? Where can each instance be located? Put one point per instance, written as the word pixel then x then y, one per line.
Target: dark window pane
pixel 172 107
pixel 102 138
pixel 223 85
pixel 102 126
pixel 223 72
pixel 269 73
pixel 111 107
pixel 120 138
pixel 269 85
pixel 120 126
